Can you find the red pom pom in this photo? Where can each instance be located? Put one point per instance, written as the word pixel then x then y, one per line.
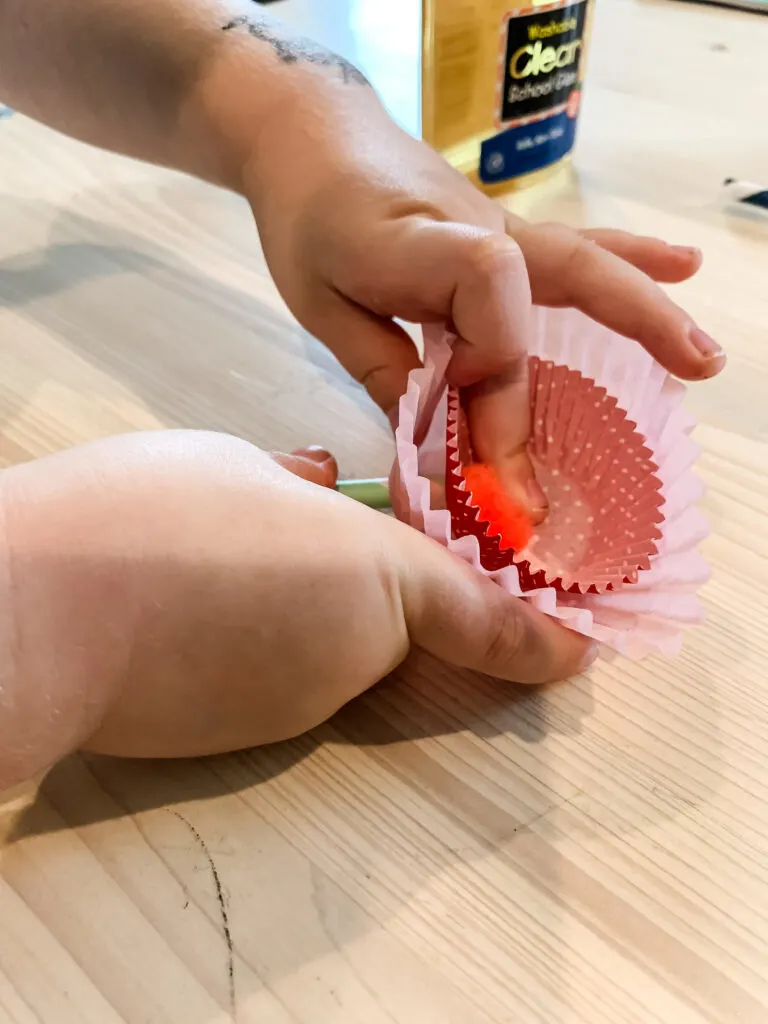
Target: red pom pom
pixel 506 519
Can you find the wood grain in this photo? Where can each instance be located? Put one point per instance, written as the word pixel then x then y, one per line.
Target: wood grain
pixel 447 850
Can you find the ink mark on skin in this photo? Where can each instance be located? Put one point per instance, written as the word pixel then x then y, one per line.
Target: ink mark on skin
pixel 293 50
pixel 223 909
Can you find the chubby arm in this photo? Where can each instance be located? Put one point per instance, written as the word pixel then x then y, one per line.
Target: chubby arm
pixel 179 593
pixel 183 83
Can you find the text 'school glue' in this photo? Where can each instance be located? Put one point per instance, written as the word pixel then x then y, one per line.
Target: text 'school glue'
pixel 501 85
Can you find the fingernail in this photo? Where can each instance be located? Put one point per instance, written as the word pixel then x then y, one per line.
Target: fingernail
pixel 687 250
pixel 708 348
pixel 590 656
pixel 703 344
pixel 315 453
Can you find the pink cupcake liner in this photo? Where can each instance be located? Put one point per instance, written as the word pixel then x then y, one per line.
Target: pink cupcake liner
pixel 629 578
pixel 599 479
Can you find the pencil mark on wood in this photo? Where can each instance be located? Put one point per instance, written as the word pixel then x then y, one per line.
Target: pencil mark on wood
pixel 223 909
pixel 293 49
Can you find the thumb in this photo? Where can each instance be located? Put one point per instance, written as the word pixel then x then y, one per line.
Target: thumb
pixel 464 618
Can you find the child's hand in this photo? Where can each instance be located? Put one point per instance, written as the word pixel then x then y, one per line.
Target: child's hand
pixel 361 223
pixel 180 593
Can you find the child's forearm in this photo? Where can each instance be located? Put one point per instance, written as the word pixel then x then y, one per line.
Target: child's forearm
pixel 185 83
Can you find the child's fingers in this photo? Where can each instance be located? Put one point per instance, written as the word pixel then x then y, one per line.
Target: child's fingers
pixel 372 349
pixel 490 310
pixel 474 280
pixel 567 269
pixel 465 619
pixel 498 412
pixel 655 257
pixel 314 464
pixel 489 307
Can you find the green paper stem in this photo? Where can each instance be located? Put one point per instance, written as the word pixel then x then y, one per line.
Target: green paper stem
pixel 373 493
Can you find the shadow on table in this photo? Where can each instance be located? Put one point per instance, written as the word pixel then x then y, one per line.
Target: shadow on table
pixel 192 348
pixel 424 699
pixel 163 809
pixel 313 820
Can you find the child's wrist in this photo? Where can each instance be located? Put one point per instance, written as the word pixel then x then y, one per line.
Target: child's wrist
pixel 220 119
pixel 253 118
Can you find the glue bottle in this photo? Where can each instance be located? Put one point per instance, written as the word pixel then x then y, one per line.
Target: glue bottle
pixel 501 85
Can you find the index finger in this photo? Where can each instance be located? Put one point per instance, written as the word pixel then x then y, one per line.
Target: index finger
pixel 475 280
pixel 491 313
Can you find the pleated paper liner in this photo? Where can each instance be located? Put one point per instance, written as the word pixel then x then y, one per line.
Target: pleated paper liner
pixel 605 502
pixel 636 618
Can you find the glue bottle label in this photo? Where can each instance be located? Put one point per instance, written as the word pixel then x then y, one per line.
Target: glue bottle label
pixel 541 60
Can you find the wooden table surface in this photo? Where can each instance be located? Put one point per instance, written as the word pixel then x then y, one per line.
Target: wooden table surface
pixel 446 850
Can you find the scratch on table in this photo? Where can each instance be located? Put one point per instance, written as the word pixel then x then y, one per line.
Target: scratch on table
pixel 222 907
